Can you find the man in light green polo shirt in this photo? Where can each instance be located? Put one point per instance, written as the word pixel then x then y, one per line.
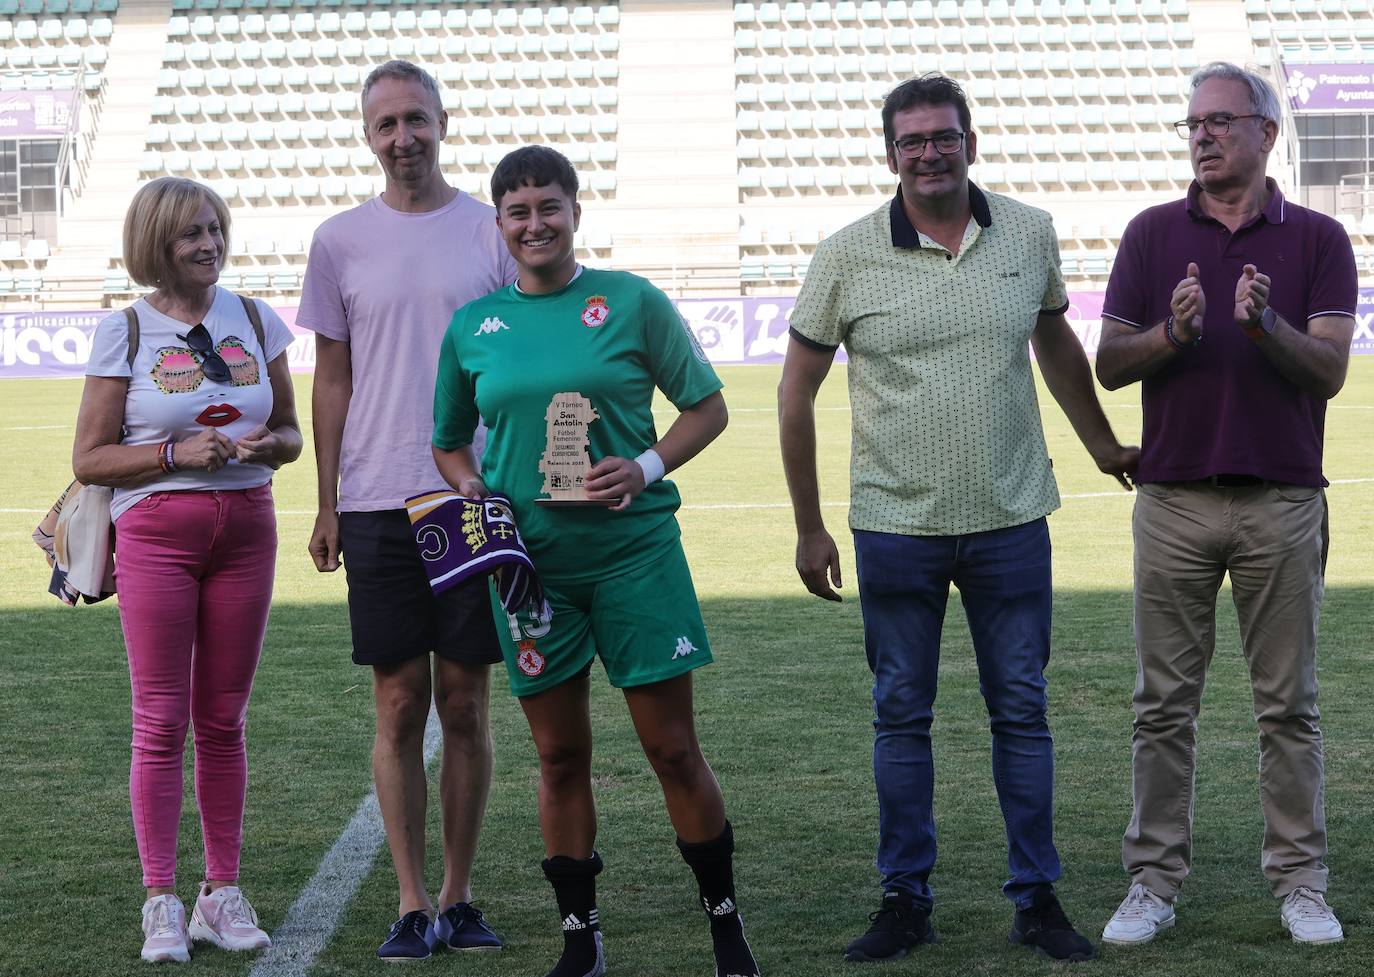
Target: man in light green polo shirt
pixel 937 297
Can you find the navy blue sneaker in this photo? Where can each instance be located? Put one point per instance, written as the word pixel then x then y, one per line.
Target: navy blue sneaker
pixel 411 938
pixel 462 927
pixel 1043 927
pixel 898 927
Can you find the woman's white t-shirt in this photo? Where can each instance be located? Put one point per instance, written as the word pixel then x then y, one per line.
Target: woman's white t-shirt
pixel 170 398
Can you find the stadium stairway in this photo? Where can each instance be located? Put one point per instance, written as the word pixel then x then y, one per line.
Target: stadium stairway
pixel 93 221
pixel 1227 29
pixel 676 144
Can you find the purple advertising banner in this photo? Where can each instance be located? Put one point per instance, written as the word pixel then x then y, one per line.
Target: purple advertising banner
pixel 730 330
pixel 1328 87
pixel 754 330
pixel 36 113
pixel 58 344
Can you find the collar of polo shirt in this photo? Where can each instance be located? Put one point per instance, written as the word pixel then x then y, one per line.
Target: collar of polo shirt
pixel 1273 212
pixel 904 235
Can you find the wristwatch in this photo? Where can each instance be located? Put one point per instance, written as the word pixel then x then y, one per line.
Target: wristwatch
pixel 1264 327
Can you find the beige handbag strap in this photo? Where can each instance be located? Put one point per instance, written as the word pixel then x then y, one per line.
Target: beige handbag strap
pixel 255 317
pixel 131 317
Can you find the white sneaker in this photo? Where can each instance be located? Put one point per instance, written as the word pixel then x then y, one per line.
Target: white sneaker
pixel 164 930
pixel 1139 918
pixel 1306 915
pixel 225 918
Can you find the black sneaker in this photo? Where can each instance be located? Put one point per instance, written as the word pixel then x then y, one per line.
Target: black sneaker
pixel 897 928
pixel 462 927
pixel 411 938
pixel 1044 927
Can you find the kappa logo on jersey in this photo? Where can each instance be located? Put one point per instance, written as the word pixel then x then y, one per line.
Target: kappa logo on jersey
pixel 684 647
pixel 596 312
pixel 529 659
pixel 490 324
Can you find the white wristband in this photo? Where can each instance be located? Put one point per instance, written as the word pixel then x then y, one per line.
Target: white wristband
pixel 651 465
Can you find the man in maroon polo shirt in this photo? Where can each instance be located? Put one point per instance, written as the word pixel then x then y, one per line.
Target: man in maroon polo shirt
pixel 1235 309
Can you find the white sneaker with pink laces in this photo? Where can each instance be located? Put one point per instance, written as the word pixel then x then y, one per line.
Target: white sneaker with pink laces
pixel 225 918
pixel 164 930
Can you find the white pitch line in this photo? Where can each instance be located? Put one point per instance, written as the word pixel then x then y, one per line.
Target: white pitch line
pixel 314 916
pixel 40 427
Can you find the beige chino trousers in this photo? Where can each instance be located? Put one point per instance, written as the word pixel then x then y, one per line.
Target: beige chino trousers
pixel 1272 540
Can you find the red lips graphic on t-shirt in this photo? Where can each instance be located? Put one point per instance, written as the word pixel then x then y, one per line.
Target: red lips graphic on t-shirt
pixel 218 415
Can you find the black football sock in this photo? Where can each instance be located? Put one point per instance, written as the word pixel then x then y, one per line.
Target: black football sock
pixel 712 862
pixel 574 886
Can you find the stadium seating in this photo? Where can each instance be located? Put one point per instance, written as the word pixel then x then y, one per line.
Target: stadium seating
pixel 262 101
pixel 1072 103
pixel 1066 96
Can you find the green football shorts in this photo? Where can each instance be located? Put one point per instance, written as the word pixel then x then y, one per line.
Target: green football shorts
pixel 645 624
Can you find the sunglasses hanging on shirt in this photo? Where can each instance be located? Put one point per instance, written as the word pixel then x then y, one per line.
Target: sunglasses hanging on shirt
pixel 211 363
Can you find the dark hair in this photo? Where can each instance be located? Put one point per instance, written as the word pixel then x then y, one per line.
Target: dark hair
pixel 532 166
pixel 930 89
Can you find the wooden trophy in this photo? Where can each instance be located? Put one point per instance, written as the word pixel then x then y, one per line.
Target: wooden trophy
pixel 565 460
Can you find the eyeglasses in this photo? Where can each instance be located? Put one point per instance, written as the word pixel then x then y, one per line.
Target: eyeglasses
pixel 1215 125
pixel 211 363
pixel 913 147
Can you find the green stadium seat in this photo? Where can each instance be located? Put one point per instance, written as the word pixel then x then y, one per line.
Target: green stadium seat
pixel 116 283
pixel 106 6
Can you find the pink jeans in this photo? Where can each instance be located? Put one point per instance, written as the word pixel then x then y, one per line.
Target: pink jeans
pixel 194 574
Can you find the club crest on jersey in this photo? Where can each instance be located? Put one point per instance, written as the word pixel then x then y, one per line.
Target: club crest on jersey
pixel 529 660
pixel 596 312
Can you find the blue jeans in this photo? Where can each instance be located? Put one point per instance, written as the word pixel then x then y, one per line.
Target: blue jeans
pixel 1003 578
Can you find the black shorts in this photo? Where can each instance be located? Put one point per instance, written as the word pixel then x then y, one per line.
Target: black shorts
pixel 394 615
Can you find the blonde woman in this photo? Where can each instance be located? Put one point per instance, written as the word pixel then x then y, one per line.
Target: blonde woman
pixel 188 427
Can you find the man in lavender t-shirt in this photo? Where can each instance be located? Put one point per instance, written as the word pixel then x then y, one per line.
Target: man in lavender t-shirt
pixel 1235 309
pixel 382 284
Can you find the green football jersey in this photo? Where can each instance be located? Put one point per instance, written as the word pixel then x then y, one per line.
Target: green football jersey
pixel 609 336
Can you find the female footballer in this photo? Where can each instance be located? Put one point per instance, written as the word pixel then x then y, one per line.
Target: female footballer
pixel 575 353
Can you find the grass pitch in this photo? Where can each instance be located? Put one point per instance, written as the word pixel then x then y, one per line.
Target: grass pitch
pixel 784 718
